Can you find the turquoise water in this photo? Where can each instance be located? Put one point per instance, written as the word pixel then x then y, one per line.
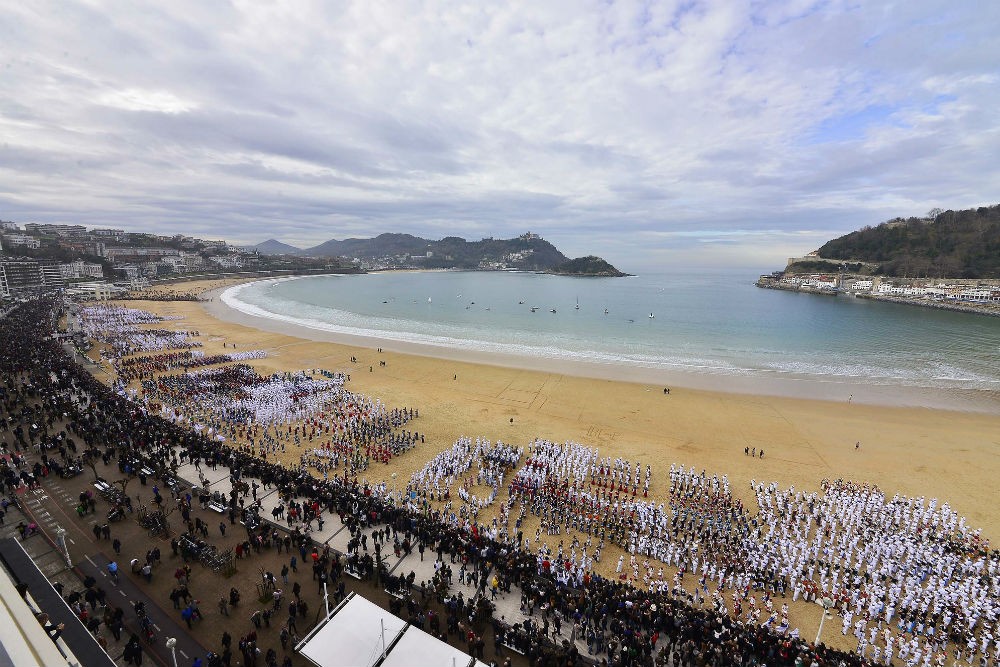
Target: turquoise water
pixel 713 323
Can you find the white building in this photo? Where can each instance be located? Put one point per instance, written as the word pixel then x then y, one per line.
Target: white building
pixel 140 253
pixel 902 290
pixel 980 294
pixel 59 230
pixel 862 285
pixel 131 271
pixel 22 240
pixel 193 260
pixel 114 234
pixel 176 264
pixel 227 261
pixel 98 291
pixel 81 269
pixel 820 283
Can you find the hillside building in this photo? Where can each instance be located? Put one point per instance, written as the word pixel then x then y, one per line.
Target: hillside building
pixel 81 269
pixel 23 240
pixel 58 230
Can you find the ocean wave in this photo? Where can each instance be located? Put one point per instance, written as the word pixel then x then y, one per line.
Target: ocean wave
pixel 500 340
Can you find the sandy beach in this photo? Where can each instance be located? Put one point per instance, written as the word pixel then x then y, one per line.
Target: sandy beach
pixel 935 453
pixel 948 454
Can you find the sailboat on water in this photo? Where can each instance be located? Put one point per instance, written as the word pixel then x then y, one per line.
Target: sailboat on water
pixel 578 303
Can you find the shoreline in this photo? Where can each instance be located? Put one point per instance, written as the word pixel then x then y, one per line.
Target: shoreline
pixel 916 452
pixel 832 390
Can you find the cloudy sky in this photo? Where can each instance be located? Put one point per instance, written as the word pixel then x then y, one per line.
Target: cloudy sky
pixel 651 133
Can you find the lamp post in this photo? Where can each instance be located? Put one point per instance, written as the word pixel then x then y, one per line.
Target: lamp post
pixel 172 645
pixel 827 603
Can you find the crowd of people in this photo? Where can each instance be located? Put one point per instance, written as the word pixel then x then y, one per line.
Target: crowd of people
pixel 333 428
pixel 120 330
pixel 435 480
pixel 129 369
pixel 160 295
pixel 909 577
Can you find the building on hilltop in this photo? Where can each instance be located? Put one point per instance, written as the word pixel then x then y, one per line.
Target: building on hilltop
pixel 227 261
pixel 119 235
pixel 58 230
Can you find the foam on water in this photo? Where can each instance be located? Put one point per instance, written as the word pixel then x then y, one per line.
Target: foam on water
pixel 812 337
pixel 325 319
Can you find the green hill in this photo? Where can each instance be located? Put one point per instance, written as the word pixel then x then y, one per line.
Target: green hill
pixel 587 266
pixel 528 252
pixel 946 244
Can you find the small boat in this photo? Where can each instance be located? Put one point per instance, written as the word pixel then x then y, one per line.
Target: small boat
pixel 534 308
pixel 552 310
pixel 520 303
pixel 651 316
pixel 428 300
pixel 578 303
pixel 605 311
pixel 385 302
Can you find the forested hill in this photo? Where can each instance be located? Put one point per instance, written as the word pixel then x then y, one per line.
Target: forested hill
pixel 587 266
pixel 946 244
pixel 528 252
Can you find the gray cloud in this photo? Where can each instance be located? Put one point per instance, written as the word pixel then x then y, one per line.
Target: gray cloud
pixel 669 132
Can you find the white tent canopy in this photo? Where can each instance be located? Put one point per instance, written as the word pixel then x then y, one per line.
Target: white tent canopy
pixel 417 647
pixel 359 633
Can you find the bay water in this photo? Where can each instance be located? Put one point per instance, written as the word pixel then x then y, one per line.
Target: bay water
pixel 716 323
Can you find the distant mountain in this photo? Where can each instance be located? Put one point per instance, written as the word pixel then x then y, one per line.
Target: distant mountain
pixel 587 266
pixel 381 245
pixel 945 244
pixel 528 252
pixel 275 247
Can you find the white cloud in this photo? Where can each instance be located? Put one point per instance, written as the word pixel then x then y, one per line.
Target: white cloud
pixel 135 99
pixel 583 121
